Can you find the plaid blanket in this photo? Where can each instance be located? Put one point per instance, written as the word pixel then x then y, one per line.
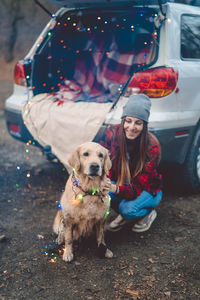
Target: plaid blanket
pixel 100 70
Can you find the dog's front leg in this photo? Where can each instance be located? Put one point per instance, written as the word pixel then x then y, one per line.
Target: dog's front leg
pixel 103 251
pixel 60 238
pixel 68 250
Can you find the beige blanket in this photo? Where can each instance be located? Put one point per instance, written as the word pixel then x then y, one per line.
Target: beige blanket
pixel 63 126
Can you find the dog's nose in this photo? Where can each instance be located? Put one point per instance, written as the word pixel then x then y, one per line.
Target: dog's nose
pixel 94 169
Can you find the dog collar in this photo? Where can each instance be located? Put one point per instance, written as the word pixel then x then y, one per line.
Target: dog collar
pixel 92 192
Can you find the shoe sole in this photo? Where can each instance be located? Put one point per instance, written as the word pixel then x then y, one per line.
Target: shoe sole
pixel 146 228
pixel 119 227
pixel 114 229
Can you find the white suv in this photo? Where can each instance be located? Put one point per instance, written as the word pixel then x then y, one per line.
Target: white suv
pixel 159 50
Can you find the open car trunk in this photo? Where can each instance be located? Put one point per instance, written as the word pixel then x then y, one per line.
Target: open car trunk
pixel 93 52
pixel 89 57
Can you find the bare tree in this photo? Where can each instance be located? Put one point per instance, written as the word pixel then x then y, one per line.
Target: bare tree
pixel 21 21
pixel 14 15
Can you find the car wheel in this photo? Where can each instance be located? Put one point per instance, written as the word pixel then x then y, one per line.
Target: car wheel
pixel 191 167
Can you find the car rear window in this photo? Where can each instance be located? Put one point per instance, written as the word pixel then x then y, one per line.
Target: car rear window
pixel 95 51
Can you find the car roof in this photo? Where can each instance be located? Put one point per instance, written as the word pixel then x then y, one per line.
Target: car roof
pixel 98 3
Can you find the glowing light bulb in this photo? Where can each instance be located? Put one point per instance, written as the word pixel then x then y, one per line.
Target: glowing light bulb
pixel 80 196
pixel 59 205
pixel 107 214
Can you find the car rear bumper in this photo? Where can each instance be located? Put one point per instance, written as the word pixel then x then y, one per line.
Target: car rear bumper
pixel 16 127
pixel 175 142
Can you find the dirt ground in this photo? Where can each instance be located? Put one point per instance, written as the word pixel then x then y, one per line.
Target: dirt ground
pixel 162 263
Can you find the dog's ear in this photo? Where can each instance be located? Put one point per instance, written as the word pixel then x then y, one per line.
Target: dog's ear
pixel 74 160
pixel 107 163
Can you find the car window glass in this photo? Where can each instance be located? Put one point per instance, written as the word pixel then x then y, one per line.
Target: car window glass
pixel 190 37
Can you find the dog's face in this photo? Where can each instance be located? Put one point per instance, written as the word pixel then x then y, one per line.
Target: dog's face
pixel 91 159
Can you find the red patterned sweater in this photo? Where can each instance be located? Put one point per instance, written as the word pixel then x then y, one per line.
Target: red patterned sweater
pixel 148 180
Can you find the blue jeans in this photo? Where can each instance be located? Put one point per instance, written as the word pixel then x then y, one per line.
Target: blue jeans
pixel 137 208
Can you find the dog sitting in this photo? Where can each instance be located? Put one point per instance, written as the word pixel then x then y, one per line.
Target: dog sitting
pixel 85 201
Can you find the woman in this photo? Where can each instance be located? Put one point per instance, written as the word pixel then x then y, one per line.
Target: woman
pixel 136 187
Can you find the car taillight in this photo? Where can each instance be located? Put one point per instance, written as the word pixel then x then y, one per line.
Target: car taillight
pixel 14 129
pixel 155 83
pixel 19 74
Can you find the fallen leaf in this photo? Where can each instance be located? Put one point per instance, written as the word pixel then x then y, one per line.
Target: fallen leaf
pixel 130 271
pixel 148 267
pixel 168 294
pixel 123 267
pixel 149 283
pixel 136 293
pixel 150 278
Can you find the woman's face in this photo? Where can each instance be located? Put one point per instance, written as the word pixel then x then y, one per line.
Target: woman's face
pixel 133 127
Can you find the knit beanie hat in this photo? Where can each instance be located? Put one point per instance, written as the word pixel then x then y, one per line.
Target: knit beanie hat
pixel 138 106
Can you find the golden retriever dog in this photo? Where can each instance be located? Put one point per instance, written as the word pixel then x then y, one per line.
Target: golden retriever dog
pixel 85 201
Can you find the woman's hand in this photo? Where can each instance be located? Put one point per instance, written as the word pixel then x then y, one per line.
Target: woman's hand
pixel 110 187
pixel 107 186
pixel 114 188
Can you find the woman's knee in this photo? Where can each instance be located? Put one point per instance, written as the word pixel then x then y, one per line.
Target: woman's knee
pixel 127 209
pixel 158 197
pixel 131 209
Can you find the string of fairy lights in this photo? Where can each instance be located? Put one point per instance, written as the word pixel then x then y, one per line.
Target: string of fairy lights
pixel 73 23
pixel 27 156
pixel 83 25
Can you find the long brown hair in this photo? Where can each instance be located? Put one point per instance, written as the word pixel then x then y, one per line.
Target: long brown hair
pixel 139 158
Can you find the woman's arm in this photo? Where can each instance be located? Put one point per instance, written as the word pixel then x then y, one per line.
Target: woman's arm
pixel 149 180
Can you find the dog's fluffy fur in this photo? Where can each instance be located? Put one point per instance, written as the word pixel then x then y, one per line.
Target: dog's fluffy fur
pixel 77 217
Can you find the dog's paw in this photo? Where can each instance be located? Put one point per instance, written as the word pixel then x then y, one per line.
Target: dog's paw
pixel 108 253
pixel 103 251
pixel 68 256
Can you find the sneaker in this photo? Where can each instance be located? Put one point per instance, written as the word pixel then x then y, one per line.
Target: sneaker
pixel 145 223
pixel 117 223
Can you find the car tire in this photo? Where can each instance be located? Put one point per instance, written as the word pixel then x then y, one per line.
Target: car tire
pixel 191 167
